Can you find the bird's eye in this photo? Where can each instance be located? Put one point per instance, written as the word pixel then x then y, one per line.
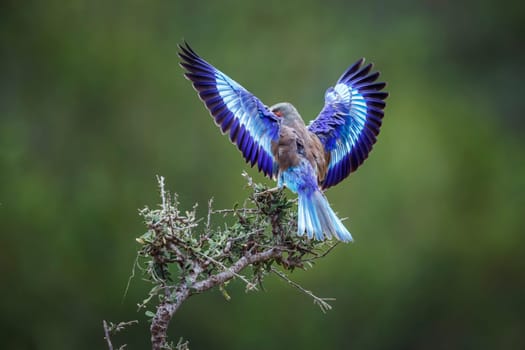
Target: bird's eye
pixel 278 113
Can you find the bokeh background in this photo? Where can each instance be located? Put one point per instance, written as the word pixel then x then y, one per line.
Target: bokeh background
pixel 93 105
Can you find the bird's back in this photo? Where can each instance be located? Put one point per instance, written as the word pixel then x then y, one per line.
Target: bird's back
pixel 296 141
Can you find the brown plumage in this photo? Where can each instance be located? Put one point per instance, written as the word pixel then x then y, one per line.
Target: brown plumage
pixel 296 140
pixel 303 164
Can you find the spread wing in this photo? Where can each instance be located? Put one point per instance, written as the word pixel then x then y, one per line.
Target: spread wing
pixel 350 120
pixel 249 123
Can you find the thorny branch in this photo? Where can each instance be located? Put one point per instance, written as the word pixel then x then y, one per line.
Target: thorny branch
pixel 263 235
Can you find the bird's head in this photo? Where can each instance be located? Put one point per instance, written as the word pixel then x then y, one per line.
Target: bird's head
pixel 286 111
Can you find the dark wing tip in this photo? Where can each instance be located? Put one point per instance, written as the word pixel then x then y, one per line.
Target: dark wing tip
pixel 186 53
pixel 189 49
pixel 352 69
pixel 359 62
pixel 184 45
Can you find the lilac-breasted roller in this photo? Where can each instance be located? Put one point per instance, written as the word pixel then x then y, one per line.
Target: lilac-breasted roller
pixel 305 159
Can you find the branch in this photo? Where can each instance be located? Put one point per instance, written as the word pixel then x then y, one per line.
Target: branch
pixel 231 272
pixel 106 335
pixel 182 259
pixel 167 309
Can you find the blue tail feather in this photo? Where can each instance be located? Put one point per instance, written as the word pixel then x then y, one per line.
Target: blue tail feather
pixel 318 219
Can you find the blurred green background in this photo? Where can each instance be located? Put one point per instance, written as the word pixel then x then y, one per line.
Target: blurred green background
pixel 93 105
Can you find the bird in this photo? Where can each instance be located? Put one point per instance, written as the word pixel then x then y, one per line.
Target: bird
pixel 305 159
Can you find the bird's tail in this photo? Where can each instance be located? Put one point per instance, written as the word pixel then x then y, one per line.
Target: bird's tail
pixel 316 218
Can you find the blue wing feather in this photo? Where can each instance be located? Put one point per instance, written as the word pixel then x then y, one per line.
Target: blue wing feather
pixel 350 120
pixel 251 126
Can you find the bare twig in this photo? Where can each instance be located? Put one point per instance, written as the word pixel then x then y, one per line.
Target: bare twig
pixel 208 219
pixel 182 345
pixel 160 180
pixel 106 335
pixel 115 328
pixel 321 302
pixel 233 211
pixel 130 278
pixel 325 253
